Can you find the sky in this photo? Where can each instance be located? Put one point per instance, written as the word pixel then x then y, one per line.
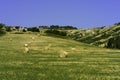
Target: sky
pixel 77 13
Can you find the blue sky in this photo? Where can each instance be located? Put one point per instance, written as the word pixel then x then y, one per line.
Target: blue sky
pixel 77 13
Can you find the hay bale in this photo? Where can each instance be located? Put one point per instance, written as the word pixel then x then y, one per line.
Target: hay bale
pixel 73 49
pixel 25 45
pixel 26 50
pixel 63 54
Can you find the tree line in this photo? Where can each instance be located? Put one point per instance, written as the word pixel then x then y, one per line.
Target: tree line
pixel 49 29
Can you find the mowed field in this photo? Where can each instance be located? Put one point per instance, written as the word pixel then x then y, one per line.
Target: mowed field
pixel 84 62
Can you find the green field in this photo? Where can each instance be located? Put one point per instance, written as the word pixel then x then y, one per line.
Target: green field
pixel 84 62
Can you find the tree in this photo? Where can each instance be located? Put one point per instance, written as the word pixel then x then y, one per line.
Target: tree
pixel 114 42
pixel 117 24
pixel 8 29
pixel 33 29
pixel 54 27
pixel 68 27
pixel 24 30
pixel 2 25
pixel 110 43
pixel 1 29
pixel 17 28
pixel 43 27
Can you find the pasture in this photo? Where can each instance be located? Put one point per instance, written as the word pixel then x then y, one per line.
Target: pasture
pixel 84 62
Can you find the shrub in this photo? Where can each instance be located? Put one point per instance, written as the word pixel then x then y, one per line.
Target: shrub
pixel 2 32
pixel 114 42
pixel 24 30
pixel 8 29
pixel 33 29
pixel 1 29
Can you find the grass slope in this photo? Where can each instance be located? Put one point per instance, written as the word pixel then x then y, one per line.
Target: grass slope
pixel 84 62
pixel 96 36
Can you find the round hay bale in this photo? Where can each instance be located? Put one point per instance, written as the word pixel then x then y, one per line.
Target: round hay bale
pixel 26 45
pixel 26 50
pixel 63 54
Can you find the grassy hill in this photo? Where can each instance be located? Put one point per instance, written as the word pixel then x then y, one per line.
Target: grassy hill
pixel 84 62
pixel 98 36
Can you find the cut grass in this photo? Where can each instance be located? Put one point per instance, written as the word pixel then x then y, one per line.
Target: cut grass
pixel 86 62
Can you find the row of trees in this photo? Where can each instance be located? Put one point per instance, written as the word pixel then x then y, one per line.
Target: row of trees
pixel 4 29
pixel 54 29
pixel 44 27
pixel 58 27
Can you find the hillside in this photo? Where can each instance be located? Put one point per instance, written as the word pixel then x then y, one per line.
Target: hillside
pixel 84 62
pixel 102 36
pixel 108 37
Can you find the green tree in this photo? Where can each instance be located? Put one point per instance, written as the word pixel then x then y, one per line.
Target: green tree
pixel 1 29
pixel 54 27
pixel 33 29
pixel 2 25
pixel 114 42
pixel 8 29
pixel 24 30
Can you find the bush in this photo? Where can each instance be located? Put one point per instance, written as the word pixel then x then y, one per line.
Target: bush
pixel 24 30
pixel 2 32
pixel 33 29
pixel 1 29
pixel 114 42
pixel 62 33
pixel 8 29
